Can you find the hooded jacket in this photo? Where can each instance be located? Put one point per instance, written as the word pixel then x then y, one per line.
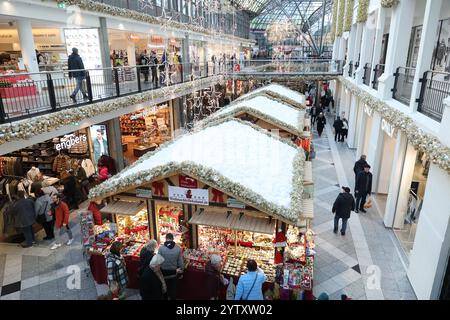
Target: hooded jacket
pixel 344 204
pixel 173 259
pixel 359 166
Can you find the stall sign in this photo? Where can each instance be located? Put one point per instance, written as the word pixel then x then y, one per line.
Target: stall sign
pixel 387 127
pixel 187 195
pixel 144 193
pixel 71 141
pixel 233 203
pixel 187 182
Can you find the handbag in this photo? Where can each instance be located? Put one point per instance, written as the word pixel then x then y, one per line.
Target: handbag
pixel 368 204
pixel 251 288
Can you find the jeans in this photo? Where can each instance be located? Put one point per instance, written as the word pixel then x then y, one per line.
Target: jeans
pixel 336 224
pixel 171 288
pixel 28 233
pixel 60 232
pixel 360 200
pixel 79 87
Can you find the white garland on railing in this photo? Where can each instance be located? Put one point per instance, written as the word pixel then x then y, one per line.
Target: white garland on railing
pixel 429 144
pixel 389 3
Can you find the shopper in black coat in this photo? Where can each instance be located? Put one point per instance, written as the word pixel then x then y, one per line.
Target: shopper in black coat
pixel 24 217
pixel 321 122
pixel 344 204
pixel 359 166
pixel 337 125
pixel 363 188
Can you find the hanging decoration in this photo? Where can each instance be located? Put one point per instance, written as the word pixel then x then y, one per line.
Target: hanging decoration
pixel 363 11
pixel 340 22
pixel 438 152
pixel 389 3
pixel 349 15
pixel 334 20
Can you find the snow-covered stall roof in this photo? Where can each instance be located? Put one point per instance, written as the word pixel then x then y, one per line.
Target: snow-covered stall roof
pixel 280 92
pixel 231 155
pixel 280 114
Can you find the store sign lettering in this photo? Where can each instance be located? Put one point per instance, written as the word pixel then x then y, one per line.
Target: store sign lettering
pixel 187 195
pixel 144 193
pixel 387 127
pixel 70 142
pixel 233 203
pixel 148 112
pixel 187 182
pixel 368 110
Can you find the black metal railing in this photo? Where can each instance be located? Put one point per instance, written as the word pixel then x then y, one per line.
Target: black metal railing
pixel 435 87
pixel 356 68
pixel 30 94
pixel 377 72
pixel 290 66
pixel 403 83
pixel 350 68
pixel 367 72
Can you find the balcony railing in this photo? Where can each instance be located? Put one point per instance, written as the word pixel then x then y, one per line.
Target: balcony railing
pixel 434 89
pixel 350 68
pixel 377 72
pixel 356 68
pixel 291 66
pixel 367 73
pixel 27 95
pixel 404 78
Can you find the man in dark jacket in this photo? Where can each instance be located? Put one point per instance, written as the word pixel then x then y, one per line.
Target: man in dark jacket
pixel 76 63
pixel 344 204
pixel 337 125
pixel 363 188
pixel 24 218
pixel 359 166
pixel 172 265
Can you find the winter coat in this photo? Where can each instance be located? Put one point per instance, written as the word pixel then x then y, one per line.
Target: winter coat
pixel 245 284
pixel 344 204
pixel 149 284
pixel 76 63
pixel 321 122
pixel 62 214
pixel 338 124
pixel 173 259
pixel 24 214
pixel 213 280
pixel 42 205
pixel 359 166
pixel 96 214
pixel 363 183
pixel 103 174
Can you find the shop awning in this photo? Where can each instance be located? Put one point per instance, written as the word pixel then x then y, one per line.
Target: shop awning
pixel 233 221
pixel 129 208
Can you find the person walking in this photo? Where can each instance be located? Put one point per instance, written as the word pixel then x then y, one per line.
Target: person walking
pixel 172 266
pixel 344 131
pixel 314 114
pixel 44 216
pixel 342 207
pixel 321 122
pixel 62 215
pixel 116 270
pixel 337 125
pixel 154 66
pixel 24 217
pixel 144 61
pixel 249 286
pixel 76 63
pixel 359 165
pixel 363 188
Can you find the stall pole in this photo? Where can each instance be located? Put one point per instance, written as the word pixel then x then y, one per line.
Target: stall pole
pixel 235 242
pixel 154 220
pixel 150 220
pixel 283 229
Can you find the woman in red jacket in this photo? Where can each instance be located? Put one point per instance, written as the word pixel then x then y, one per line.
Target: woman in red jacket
pixel 62 214
pixel 94 207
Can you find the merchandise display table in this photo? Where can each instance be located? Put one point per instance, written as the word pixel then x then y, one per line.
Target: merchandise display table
pixel 17 86
pixel 99 272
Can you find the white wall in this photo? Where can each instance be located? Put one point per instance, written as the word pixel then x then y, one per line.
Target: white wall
pixel 367 132
pixel 387 157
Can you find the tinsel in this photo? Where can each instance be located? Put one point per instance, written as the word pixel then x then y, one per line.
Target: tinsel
pixel 280 78
pixel 334 20
pixel 349 15
pixel 422 141
pixel 363 11
pixel 211 177
pixel 389 3
pixel 340 22
pixel 25 129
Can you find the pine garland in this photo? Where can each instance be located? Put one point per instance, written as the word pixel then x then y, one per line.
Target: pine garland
pixel 349 15
pixel 334 20
pixel 340 22
pixel 363 11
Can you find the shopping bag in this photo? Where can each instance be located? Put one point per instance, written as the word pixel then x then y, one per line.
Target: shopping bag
pixel 368 204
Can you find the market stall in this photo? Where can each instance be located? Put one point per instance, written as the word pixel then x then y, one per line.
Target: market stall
pixel 236 198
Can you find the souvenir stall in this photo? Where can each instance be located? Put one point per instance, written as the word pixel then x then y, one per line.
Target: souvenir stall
pixel 13 85
pixel 215 205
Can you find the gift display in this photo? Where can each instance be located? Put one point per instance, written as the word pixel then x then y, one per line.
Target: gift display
pixel 135 226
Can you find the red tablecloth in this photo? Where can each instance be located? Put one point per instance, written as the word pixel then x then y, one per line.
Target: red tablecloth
pixel 99 272
pixel 17 90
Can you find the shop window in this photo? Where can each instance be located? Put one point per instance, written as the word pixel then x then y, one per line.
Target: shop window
pixel 171 219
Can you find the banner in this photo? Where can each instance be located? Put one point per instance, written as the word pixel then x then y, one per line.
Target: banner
pixel 186 195
pixel 187 182
pixel 144 193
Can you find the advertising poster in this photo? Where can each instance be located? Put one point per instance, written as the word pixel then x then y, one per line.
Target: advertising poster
pixel 99 141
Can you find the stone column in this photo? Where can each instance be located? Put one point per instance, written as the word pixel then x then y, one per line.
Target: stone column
pixel 27 45
pixel 381 18
pixel 131 52
pixel 361 130
pixel 115 142
pixel 397 51
pixel 427 44
pixel 352 124
pixel 375 150
pixel 104 43
pixel 357 48
pixel 351 48
pixel 366 51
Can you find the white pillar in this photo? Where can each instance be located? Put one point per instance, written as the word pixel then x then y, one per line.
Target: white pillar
pixel 381 18
pixel 131 53
pixel 365 56
pixel 396 179
pixel 27 46
pixel 427 43
pixel 335 50
pixel 361 130
pixel 351 48
pixel 432 241
pixel 352 116
pixel 375 149
pixel 357 48
pixel 397 51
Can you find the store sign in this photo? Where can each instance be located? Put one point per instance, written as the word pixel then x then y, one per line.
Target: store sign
pixel 147 112
pixel 233 203
pixel 187 182
pixel 144 193
pixel 187 195
pixel 70 142
pixel 388 128
pixel 368 110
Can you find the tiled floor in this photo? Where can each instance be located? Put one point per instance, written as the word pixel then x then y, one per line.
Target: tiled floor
pixel 366 263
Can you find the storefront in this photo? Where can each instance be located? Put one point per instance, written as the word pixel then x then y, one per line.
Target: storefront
pixel 208 215
pixel 145 130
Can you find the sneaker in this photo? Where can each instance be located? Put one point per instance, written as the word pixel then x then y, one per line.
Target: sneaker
pixel 335 231
pixel 73 99
pixel 362 210
pixel 69 242
pixel 55 246
pixel 342 233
